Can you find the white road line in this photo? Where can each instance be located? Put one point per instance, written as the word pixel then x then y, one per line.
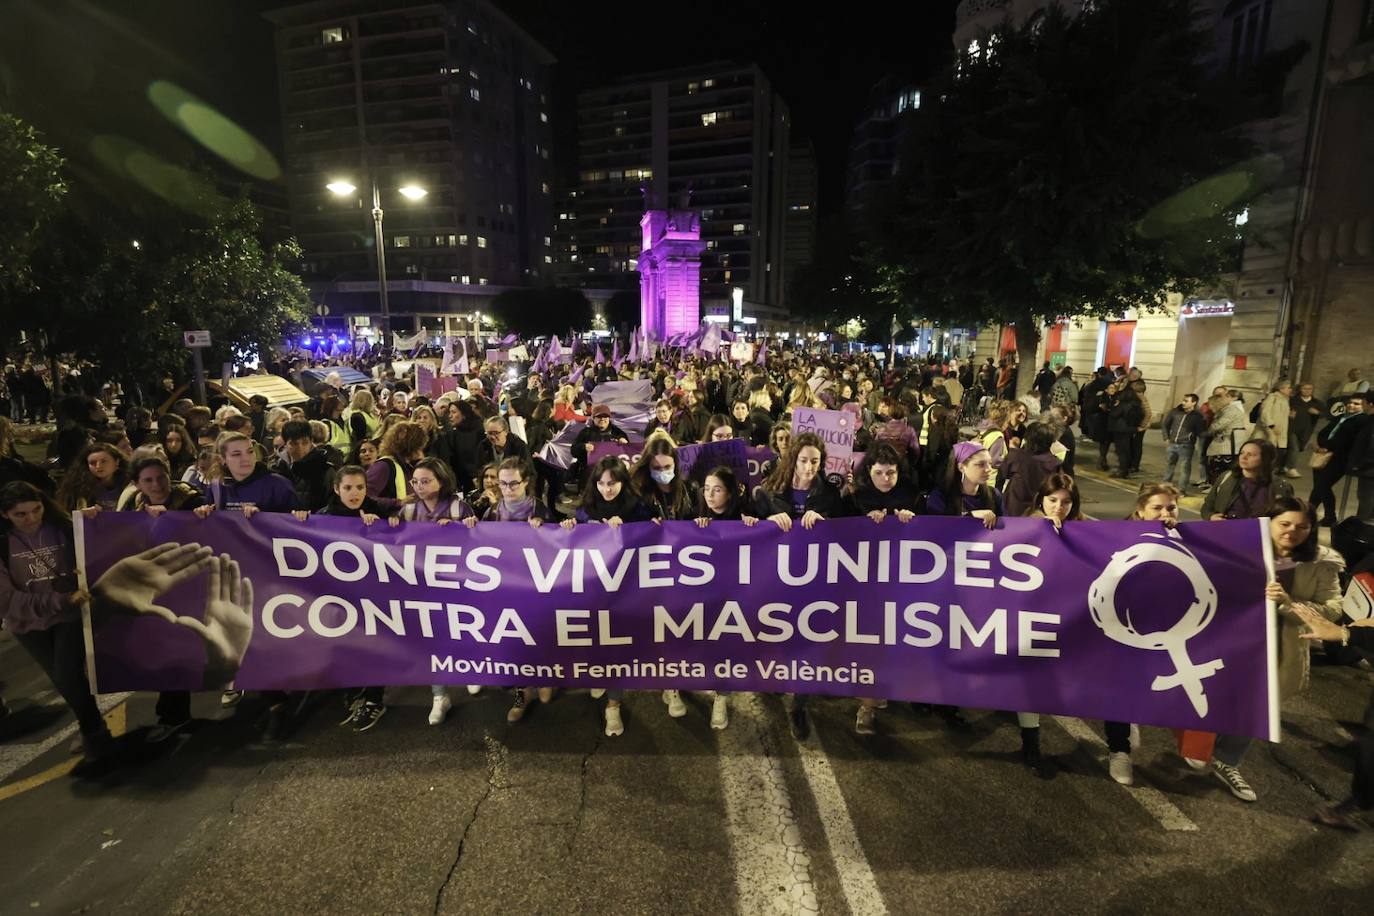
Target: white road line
pixel 856 876
pixel 1152 800
pixel 772 868
pixel 14 757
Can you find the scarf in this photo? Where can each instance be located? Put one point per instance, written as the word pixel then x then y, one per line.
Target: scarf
pixel 515 510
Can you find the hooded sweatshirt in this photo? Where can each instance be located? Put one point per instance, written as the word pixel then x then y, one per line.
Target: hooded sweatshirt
pixel 267 491
pixel 1023 473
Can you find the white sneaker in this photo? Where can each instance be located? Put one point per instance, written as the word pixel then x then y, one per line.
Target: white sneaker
pixel 1135 737
pixel 439 711
pixel 1292 472
pixel 1195 764
pixel 614 724
pixel 1119 765
pixel 676 708
pixel 545 694
pixel 1231 778
pixel 720 713
pixel 598 692
pixel 474 689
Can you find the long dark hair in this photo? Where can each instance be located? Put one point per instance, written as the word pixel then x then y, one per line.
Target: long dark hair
pixel 715 422
pixel 448 486
pixel 19 491
pixel 1058 481
pixel 79 483
pixel 952 488
pixel 591 496
pixel 779 480
pixel 1307 550
pixel 1269 457
pixel 678 501
pixel 732 485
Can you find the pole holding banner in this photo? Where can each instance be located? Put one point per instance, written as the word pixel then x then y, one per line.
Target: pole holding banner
pixel 197 341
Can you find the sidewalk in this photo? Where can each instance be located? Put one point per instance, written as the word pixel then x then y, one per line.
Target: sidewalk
pixel 1152 462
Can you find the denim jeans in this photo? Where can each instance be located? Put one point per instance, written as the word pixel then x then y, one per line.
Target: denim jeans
pixel 1179 451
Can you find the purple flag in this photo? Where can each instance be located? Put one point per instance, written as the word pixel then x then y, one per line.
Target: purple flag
pixel 600 357
pixel 1105 620
pixel 509 340
pixel 762 358
pixel 615 353
pixel 634 347
pixel 555 350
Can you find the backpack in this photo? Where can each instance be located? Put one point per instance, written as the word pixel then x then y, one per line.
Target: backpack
pixel 1255 412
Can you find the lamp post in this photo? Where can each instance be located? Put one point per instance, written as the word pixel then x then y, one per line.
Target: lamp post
pixel 344 188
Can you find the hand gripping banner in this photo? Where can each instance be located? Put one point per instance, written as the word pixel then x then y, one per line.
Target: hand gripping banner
pixel 1106 620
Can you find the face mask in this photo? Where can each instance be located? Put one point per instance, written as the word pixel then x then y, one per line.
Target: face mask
pixel 662 478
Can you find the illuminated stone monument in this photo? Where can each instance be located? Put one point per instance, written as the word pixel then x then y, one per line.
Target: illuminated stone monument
pixel 670 268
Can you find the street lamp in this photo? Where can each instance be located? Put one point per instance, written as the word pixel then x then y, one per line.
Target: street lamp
pixel 344 188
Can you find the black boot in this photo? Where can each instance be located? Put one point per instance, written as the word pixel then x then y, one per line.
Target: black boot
pixel 1030 747
pixel 954 720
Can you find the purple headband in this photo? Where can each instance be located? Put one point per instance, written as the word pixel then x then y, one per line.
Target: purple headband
pixel 963 451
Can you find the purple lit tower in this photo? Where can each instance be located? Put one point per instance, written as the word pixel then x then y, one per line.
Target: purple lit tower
pixel 670 268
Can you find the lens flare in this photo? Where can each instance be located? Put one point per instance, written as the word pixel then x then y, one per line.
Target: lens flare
pixel 213 130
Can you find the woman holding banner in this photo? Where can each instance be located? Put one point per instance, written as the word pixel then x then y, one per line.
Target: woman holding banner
pixel 723 499
pixel 1058 501
pixel 40 601
pixel 796 490
pixel 434 498
pixel 882 488
pixel 609 499
pixel 517 503
pixel 1308 577
pixel 666 494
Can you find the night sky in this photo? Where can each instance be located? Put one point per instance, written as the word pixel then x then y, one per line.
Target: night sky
pixel 77 68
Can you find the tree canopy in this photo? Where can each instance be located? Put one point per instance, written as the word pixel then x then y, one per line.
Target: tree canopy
pixel 1074 165
pixel 31 194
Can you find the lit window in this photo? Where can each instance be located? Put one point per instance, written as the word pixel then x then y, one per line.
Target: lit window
pixel 572 257
pixel 619 131
pixel 544 186
pixel 544 117
pixel 547 241
pixel 727 276
pixel 711 243
pixel 462 240
pixel 481 241
pixel 738 229
pixel 452 240
pixel 481 281
pixel 632 264
pixel 1242 217
pixel 473 74
pixel 548 259
pixel 708 118
pixel 467 280
pixel 475 93
pixel 401 241
pixel 707 84
pixel 692 88
pixel 332 36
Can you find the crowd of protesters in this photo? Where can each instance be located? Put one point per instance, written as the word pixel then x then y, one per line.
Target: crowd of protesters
pixel 938 438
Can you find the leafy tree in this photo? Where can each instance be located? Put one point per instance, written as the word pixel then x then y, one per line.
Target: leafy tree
pixel 543 311
pixel 31 194
pixel 838 285
pixel 1078 165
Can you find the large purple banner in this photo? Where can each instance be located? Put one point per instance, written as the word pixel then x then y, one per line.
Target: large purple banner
pixel 1118 620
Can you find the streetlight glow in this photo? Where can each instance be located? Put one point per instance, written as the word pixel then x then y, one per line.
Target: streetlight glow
pixel 413 192
pixel 342 188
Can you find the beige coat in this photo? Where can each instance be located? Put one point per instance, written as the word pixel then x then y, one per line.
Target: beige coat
pixel 1317 584
pixel 1273 420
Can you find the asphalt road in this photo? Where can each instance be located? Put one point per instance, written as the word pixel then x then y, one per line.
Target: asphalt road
pixel 550 816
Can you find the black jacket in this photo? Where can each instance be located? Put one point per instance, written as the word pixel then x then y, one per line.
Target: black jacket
pixel 823 498
pixel 1183 426
pixel 312 478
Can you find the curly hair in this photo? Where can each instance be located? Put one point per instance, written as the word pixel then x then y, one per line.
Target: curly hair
pixel 404 440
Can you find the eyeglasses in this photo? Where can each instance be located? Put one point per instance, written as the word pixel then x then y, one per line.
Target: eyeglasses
pixel 510 484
